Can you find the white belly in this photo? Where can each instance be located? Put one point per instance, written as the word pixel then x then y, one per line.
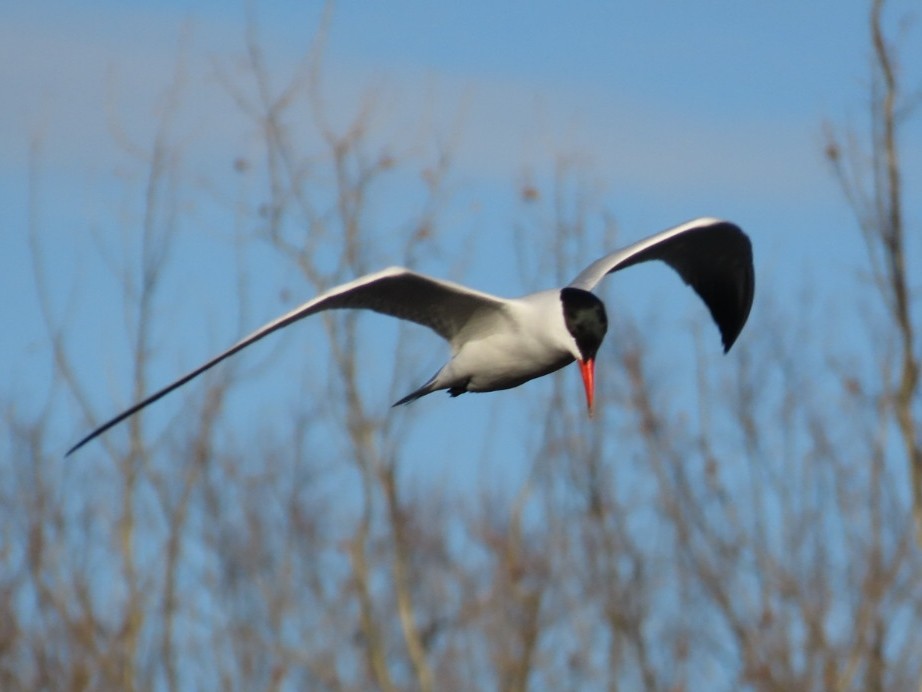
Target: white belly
pixel 500 362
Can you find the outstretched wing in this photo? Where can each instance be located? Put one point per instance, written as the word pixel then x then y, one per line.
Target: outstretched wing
pixel 714 257
pixel 442 306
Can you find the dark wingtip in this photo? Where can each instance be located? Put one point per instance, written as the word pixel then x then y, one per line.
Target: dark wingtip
pixel 729 293
pixel 92 436
pixel 729 335
pixel 77 446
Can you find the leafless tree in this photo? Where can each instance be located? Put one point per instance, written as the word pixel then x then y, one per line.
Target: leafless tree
pixel 871 176
pixel 723 522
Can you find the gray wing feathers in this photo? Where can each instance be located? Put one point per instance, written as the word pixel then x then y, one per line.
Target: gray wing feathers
pixel 442 306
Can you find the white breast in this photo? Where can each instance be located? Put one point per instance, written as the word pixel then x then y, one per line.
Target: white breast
pixel 534 342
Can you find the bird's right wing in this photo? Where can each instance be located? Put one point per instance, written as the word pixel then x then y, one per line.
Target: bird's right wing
pixel 445 307
pixel 714 257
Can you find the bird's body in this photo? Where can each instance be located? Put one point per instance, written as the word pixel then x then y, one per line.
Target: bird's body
pixel 526 339
pixel 500 343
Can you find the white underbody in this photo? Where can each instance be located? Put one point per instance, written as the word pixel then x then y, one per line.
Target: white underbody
pixel 530 341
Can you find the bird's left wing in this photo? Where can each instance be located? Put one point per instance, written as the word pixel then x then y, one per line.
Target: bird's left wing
pixel 714 257
pixel 445 307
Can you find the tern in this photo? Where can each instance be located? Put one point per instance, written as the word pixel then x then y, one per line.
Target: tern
pixel 499 343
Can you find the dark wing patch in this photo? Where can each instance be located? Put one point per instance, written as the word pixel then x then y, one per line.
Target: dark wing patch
pixel 716 261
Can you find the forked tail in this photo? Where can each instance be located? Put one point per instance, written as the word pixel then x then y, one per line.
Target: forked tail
pixel 427 388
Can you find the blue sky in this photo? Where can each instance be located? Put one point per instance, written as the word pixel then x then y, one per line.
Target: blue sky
pixel 677 109
pixel 674 109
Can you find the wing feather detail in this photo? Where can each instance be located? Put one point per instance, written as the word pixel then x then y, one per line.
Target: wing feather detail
pixel 445 307
pixel 714 257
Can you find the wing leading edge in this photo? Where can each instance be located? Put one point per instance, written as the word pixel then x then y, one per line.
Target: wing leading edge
pixel 714 257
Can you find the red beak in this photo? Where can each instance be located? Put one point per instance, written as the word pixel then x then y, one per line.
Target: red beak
pixel 587 370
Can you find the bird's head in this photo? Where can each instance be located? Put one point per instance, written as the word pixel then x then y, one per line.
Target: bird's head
pixel 586 321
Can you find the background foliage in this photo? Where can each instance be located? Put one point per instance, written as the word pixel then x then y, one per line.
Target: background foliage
pixel 756 527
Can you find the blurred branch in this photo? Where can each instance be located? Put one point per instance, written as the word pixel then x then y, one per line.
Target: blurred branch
pixel 677 541
pixel 877 201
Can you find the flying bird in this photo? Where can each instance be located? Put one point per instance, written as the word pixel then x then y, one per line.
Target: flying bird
pixel 499 343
